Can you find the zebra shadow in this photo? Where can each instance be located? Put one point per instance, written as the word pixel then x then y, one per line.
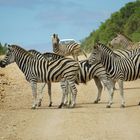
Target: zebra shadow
pixel 130 106
pixel 55 107
pixel 129 88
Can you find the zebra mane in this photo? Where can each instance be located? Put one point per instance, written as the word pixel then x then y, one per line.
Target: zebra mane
pixel 20 49
pixel 126 37
pixel 50 53
pixel 108 49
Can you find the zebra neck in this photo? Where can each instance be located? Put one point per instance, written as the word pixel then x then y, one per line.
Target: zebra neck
pixel 61 50
pixel 108 61
pixel 23 61
pixel 126 43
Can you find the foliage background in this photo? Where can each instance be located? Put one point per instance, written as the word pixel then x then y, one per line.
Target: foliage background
pixel 126 21
pixel 3 48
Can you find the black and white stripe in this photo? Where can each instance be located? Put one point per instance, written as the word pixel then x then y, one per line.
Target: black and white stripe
pixel 127 53
pixel 87 73
pixel 48 56
pixel 120 69
pixel 36 70
pixel 71 49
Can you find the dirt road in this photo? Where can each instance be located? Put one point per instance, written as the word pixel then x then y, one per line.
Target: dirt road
pixel 87 121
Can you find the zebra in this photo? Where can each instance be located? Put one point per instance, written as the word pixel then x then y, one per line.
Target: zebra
pixel 124 41
pixel 120 69
pixel 124 53
pixel 49 56
pixel 87 73
pixel 70 49
pixel 36 70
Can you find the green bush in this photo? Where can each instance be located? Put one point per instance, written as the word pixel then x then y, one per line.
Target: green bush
pixel 3 48
pixel 126 20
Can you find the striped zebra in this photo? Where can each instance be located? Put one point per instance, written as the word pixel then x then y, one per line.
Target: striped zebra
pixel 87 73
pixel 99 74
pixel 36 70
pixel 119 69
pixel 124 53
pixel 124 41
pixel 127 53
pixel 50 57
pixel 72 48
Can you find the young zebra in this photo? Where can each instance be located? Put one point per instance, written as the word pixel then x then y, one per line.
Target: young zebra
pixel 124 41
pixel 48 56
pixel 36 70
pixel 71 49
pixel 86 73
pixel 119 69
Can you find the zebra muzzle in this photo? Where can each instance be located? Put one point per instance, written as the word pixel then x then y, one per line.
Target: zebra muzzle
pixel 2 65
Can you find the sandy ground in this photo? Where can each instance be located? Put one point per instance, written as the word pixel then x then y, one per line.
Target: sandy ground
pixel 87 121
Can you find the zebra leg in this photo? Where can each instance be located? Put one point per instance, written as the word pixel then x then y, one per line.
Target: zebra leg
pixel 108 83
pixel 114 82
pixel 34 92
pixel 100 87
pixel 66 94
pixel 41 95
pixel 120 82
pixel 74 93
pixel 49 92
pixel 64 91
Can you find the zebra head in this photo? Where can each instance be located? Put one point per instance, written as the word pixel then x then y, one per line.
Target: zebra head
pixel 117 40
pixel 55 41
pixel 95 55
pixel 9 57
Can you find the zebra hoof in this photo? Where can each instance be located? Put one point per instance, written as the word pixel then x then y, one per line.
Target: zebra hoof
pixel 39 104
pixel 108 106
pixel 96 101
pixel 33 107
pixel 139 103
pixel 72 106
pixel 114 88
pixel 60 106
pixel 122 106
pixel 50 105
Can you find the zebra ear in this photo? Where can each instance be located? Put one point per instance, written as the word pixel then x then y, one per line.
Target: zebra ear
pixel 54 35
pixel 9 45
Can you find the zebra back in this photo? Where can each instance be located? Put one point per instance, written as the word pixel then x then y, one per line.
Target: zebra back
pixel 48 56
pixel 127 53
pixel 52 56
pixel 88 72
pixel 36 54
